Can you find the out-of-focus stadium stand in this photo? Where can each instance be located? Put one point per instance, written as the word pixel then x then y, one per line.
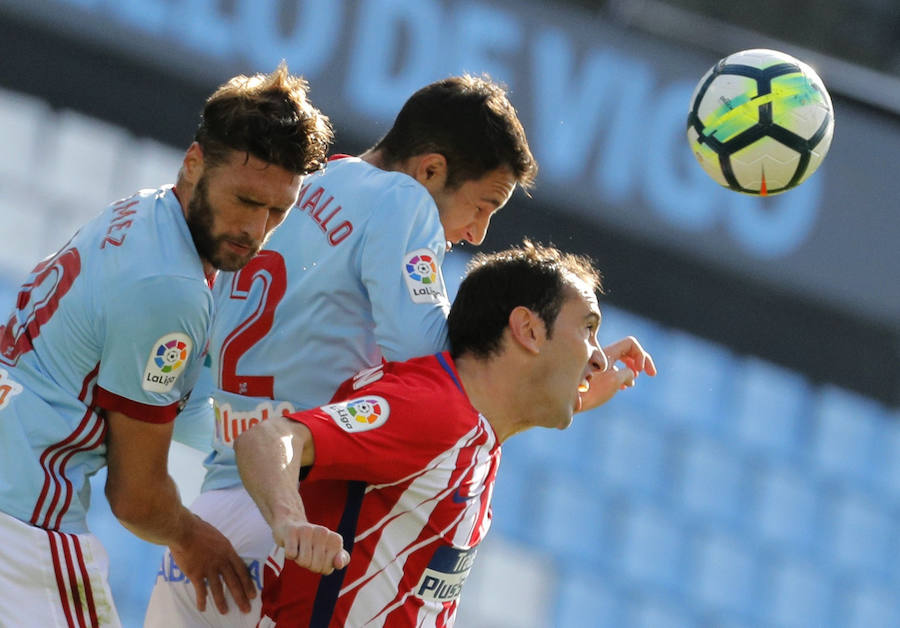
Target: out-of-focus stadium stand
pixel 756 481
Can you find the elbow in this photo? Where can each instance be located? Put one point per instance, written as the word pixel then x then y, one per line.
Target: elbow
pixel 129 507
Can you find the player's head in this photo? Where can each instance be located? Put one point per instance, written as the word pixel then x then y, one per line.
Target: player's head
pixel 535 309
pixel 267 116
pixel 257 138
pixel 469 149
pixel 531 275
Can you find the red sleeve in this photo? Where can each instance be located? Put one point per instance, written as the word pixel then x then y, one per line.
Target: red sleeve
pixel 136 410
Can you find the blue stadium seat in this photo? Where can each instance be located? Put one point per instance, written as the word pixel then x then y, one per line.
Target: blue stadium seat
pixel 785 510
pixel 799 595
pixel 567 517
pixel 711 480
pixel 859 532
pixel 724 573
pixel 653 612
pixel 845 433
pixel 767 407
pixel 629 451
pixel 866 605
pixel 587 599
pixel 651 548
pixel 695 383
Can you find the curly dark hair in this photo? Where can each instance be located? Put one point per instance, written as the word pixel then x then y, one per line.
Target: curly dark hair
pixel 267 116
pixel 530 275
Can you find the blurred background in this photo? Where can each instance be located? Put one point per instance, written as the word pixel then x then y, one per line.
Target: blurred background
pixel 756 480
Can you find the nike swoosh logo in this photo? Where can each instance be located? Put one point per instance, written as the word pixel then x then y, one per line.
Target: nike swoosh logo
pixel 459 498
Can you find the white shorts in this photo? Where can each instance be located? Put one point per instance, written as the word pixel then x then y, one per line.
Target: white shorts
pixel 53 579
pixel 173 602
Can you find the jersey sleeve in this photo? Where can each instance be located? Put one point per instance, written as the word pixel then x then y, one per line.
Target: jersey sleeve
pixel 401 256
pixel 154 339
pixel 376 437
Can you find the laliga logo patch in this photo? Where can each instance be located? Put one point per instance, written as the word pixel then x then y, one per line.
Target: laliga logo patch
pixel 167 360
pixel 423 276
pixel 359 415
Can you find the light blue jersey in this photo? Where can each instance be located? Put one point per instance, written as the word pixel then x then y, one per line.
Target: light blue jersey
pixel 352 277
pixel 117 320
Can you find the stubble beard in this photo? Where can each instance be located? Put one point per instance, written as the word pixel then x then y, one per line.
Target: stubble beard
pixel 212 248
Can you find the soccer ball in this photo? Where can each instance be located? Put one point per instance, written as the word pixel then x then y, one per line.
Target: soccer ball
pixel 760 122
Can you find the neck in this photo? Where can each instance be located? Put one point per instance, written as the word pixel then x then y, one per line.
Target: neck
pixel 375 158
pixel 495 389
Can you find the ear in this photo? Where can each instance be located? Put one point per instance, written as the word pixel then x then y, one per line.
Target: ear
pixel 192 165
pixel 527 329
pixel 431 171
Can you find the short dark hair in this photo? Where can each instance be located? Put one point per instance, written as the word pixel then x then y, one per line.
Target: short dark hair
pixel 470 121
pixel 531 275
pixel 267 116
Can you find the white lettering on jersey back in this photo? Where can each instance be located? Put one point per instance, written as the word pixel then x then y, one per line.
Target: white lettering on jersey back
pixel 167 360
pixel 423 276
pixel 360 414
pixel 230 423
pixel 8 388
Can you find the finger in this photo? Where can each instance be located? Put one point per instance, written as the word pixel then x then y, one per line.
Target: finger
pixel 341 559
pixel 218 593
pixel 235 576
pixel 200 591
pixel 626 377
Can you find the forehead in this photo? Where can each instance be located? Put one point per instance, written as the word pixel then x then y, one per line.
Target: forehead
pixel 581 296
pixel 495 187
pixel 245 175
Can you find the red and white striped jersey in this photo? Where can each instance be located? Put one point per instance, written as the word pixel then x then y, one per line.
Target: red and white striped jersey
pixel 404 471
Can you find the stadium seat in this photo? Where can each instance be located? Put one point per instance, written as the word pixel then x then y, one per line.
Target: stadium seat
pixel 724 573
pixel 799 595
pixel 652 546
pixel 697 382
pixel 768 404
pixel 587 598
pixel 785 509
pixel 711 480
pixel 844 435
pixel 859 532
pixel 629 451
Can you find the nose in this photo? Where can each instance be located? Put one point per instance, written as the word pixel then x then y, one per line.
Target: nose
pixel 599 361
pixel 257 224
pixel 478 230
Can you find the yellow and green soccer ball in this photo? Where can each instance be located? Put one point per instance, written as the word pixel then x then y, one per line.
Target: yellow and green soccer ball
pixel 760 122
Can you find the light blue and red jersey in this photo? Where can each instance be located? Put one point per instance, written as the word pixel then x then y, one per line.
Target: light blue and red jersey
pixel 351 278
pixel 404 471
pixel 116 320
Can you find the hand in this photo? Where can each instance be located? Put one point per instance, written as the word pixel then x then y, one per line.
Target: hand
pixel 605 384
pixel 206 557
pixel 311 546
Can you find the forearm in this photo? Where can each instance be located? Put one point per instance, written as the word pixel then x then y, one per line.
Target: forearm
pixel 269 461
pixel 154 513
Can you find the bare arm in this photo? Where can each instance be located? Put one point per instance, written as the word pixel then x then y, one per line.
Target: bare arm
pixel 145 499
pixel 269 458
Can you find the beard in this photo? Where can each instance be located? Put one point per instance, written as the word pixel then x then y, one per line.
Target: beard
pixel 212 247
